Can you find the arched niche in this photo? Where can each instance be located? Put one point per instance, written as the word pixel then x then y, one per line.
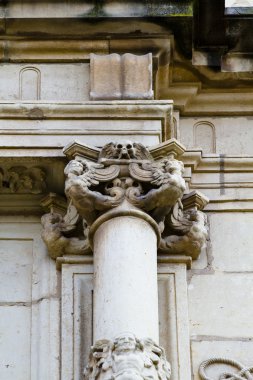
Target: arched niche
pixel 29 83
pixel 204 136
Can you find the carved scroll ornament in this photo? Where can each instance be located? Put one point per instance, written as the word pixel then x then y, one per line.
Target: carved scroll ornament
pixel 127 358
pixel 126 173
pixel 239 372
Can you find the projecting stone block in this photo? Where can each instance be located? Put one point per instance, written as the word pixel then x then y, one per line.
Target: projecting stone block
pixel 115 77
pixel 137 76
pixel 105 77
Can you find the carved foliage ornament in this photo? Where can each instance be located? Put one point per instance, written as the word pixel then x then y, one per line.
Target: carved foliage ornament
pixel 127 358
pixel 238 371
pixel 125 173
pixel 22 180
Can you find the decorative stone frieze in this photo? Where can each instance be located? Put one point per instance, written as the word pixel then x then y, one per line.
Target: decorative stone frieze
pixel 239 372
pixel 127 357
pixel 22 180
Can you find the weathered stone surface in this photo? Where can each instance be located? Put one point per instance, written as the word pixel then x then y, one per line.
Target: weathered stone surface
pixel 15 342
pixel 46 82
pixel 16 263
pixel 232 249
pixel 45 125
pixel 222 135
pixel 121 77
pixel 219 305
pixel 105 77
pixel 29 305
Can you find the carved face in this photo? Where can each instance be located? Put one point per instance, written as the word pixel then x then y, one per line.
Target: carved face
pixel 125 150
pixel 126 342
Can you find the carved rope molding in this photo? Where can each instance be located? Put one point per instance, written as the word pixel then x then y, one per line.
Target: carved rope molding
pixel 127 174
pixel 127 357
pixel 243 373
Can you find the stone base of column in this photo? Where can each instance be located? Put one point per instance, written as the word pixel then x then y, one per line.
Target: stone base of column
pixel 127 358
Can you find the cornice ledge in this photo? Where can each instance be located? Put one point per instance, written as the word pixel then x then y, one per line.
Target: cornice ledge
pixel 119 109
pixel 88 259
pixel 211 163
pixel 192 100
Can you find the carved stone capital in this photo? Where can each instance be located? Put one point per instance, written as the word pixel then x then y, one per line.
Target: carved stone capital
pixel 127 358
pixel 128 176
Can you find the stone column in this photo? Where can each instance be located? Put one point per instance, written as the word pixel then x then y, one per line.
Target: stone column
pixel 125 274
pixel 127 205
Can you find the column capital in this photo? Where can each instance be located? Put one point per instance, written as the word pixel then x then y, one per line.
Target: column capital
pixel 127 178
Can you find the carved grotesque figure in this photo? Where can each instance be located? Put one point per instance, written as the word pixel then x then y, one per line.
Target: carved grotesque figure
pixel 127 358
pixel 127 362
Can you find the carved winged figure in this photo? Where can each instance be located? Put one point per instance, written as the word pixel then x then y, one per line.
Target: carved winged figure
pixel 167 183
pixel 55 233
pixel 185 231
pixel 83 179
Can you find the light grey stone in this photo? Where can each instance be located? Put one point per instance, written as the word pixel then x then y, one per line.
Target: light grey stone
pixel 15 342
pixel 231 246
pixel 16 264
pixel 46 82
pixel 220 305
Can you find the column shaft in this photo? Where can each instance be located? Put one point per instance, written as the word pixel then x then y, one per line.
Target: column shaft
pixel 125 279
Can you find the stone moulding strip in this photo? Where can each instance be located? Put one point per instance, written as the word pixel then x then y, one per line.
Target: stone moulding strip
pixel 113 110
pixel 78 50
pixel 88 259
pixel 191 100
pixel 114 213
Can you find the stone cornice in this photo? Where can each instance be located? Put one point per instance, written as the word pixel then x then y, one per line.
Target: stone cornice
pixel 160 110
pixel 58 48
pixel 191 100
